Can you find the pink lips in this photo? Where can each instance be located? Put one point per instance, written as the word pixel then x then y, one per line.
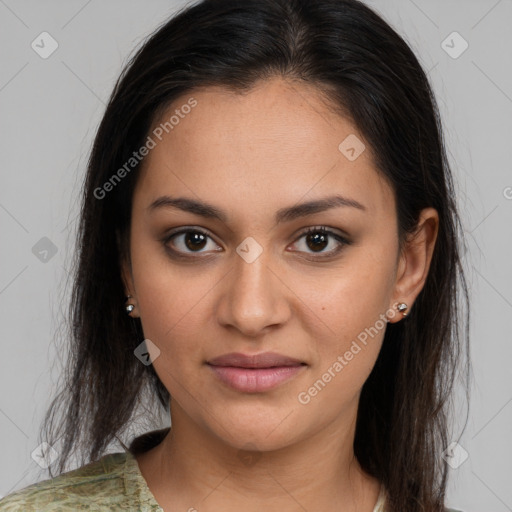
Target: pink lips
pixel 254 374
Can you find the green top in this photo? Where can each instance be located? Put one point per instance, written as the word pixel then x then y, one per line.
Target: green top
pixel 113 483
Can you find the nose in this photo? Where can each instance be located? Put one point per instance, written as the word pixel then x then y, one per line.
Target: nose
pixel 254 299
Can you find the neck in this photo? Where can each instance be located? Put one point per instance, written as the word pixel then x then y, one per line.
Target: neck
pixel 194 468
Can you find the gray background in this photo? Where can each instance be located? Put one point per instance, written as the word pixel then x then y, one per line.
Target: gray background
pixel 50 109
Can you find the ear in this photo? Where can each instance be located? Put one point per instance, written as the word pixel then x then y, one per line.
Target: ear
pixel 415 258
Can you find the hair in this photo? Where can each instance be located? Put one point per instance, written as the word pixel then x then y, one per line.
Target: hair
pixel 371 76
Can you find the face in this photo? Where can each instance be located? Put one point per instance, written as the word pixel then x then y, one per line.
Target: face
pixel 245 276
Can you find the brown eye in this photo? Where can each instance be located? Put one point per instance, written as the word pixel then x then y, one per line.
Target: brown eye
pixel 317 239
pixel 195 240
pixel 188 241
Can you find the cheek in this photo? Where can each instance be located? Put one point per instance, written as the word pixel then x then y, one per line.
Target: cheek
pixel 351 305
pixel 346 354
pixel 172 301
pixel 173 318
pixel 352 297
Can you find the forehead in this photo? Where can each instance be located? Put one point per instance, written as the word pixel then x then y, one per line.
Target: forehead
pixel 276 144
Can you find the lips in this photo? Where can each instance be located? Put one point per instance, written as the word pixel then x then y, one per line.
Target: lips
pixel 264 360
pixel 255 373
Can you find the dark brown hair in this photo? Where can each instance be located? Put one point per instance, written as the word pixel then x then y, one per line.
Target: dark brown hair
pixel 369 72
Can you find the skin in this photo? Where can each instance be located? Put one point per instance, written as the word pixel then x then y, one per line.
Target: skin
pixel 251 155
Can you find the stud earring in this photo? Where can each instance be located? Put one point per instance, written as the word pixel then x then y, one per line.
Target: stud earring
pixel 402 308
pixel 129 307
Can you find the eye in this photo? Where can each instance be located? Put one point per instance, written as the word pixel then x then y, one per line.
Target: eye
pixel 195 240
pixel 189 241
pixel 317 239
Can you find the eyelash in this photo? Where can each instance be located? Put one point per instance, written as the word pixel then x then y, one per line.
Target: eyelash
pixel 316 229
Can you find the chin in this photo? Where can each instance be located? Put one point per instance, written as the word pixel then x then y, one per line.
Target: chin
pixel 257 428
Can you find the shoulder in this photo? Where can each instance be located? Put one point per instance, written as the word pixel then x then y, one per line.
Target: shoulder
pixel 91 487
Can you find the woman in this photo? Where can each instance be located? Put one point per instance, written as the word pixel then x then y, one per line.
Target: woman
pixel 269 243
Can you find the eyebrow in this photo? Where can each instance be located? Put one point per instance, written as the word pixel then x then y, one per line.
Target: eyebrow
pixel 287 214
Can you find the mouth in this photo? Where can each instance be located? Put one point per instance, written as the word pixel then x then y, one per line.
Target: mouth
pixel 255 373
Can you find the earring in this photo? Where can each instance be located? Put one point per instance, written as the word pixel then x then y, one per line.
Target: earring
pixel 402 308
pixel 129 307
